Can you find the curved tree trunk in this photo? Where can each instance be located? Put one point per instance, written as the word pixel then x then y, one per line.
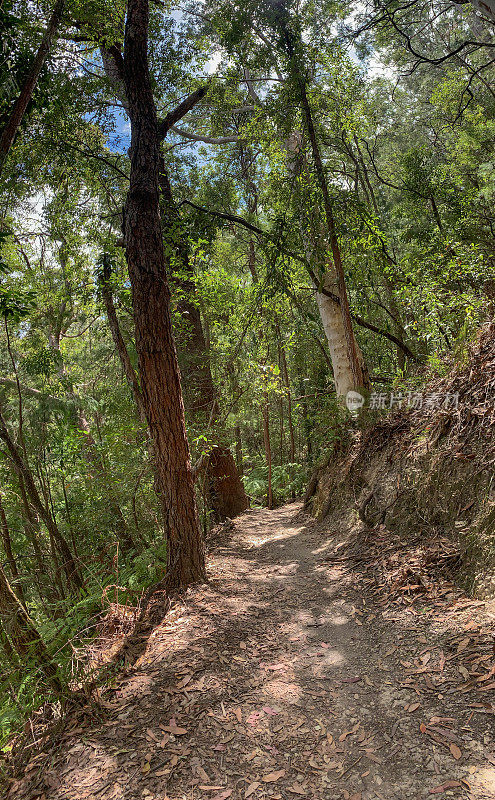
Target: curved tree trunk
pixel 333 325
pixel 23 633
pixel 338 323
pixel 357 377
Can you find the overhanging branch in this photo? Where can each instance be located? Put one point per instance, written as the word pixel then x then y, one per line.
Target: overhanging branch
pixel 336 299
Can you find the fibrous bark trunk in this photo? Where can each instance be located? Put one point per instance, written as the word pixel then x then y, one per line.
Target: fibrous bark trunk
pixel 200 396
pixel 16 116
pixel 226 495
pixel 157 358
pixel 225 491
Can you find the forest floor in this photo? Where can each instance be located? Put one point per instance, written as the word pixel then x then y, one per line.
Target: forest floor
pixel 315 664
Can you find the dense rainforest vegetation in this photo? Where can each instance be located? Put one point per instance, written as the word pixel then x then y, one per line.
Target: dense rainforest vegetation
pixel 217 219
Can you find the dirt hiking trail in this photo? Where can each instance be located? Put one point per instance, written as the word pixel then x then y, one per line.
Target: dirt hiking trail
pixel 299 671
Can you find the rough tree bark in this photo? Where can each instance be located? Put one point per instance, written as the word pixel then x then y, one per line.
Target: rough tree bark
pixel 225 491
pixel 157 358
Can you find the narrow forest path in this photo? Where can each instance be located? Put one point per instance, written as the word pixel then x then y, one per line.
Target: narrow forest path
pixel 290 675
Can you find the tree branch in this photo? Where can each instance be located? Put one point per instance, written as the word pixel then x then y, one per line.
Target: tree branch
pixel 16 116
pixel 357 319
pixel 196 137
pixel 49 399
pixel 181 110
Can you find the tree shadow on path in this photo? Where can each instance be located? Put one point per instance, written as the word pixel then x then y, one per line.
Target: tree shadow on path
pixel 278 679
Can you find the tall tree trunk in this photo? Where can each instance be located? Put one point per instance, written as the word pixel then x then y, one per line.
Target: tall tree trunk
pixel 70 568
pixel 23 633
pixel 12 125
pixel 224 488
pixel 157 358
pixel 332 318
pixel 118 340
pixel 356 367
pixel 291 43
pixel 200 396
pixel 268 448
pixel 7 546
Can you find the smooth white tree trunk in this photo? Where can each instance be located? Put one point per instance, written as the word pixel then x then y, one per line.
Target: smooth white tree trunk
pixel 333 325
pixel 330 311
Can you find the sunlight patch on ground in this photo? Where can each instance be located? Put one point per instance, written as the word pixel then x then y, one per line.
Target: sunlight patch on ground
pixel 483 781
pixel 283 690
pixel 323 548
pixel 333 658
pixel 257 541
pixel 338 619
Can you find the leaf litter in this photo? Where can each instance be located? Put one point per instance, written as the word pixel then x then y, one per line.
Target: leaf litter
pixel 349 678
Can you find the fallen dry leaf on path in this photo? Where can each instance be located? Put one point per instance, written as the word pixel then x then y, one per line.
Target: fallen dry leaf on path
pixel 253 717
pixel 173 728
pixel 273 776
pixel 456 751
pixel 296 788
pixel 444 786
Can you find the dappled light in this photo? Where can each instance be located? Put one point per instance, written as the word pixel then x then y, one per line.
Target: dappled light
pixel 247 400
pixel 280 674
